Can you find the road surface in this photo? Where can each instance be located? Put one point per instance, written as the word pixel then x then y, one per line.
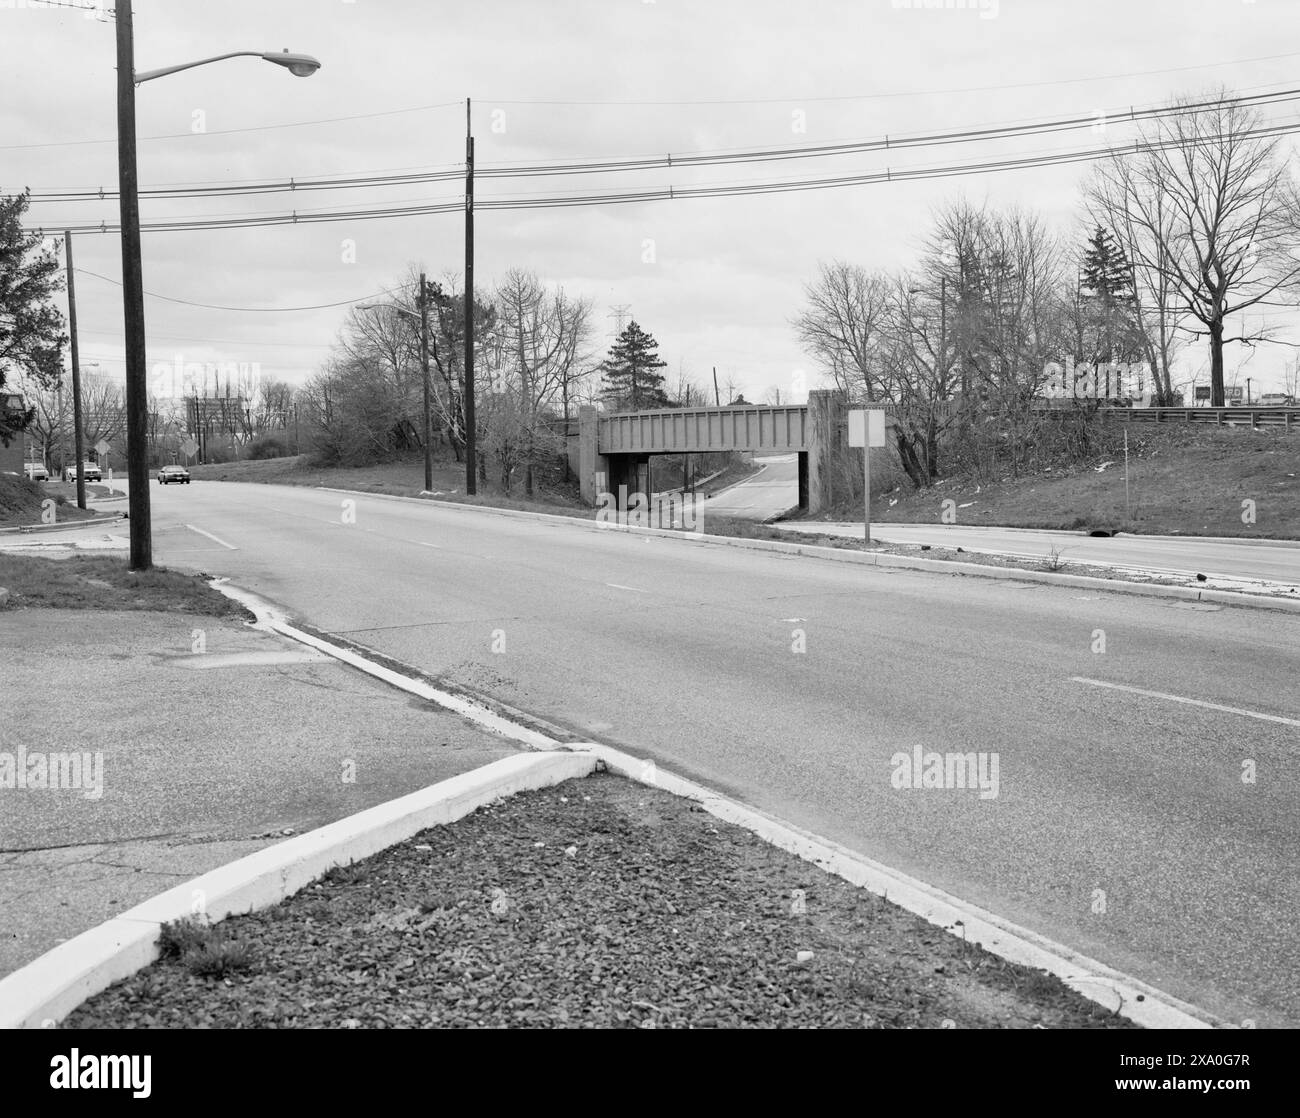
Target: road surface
pixel 770 492
pixel 1155 834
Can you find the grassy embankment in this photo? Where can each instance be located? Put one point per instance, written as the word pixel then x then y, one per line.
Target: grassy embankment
pixel 21 501
pixel 1182 480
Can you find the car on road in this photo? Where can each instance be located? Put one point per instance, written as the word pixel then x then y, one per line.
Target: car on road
pixel 36 471
pixel 89 471
pixel 169 474
pixel 1276 400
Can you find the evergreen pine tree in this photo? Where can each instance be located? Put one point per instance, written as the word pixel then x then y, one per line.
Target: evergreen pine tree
pixel 1110 327
pixel 1106 272
pixel 631 378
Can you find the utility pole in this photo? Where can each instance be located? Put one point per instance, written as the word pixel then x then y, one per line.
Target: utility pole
pixel 424 369
pixel 471 478
pixel 76 373
pixel 717 399
pixel 137 385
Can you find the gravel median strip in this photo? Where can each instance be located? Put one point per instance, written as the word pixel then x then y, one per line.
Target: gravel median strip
pixel 598 902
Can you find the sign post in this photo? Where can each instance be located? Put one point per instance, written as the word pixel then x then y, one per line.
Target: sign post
pixel 867 430
pixel 101 450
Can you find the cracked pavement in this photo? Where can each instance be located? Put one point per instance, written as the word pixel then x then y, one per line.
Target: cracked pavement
pixel 199 767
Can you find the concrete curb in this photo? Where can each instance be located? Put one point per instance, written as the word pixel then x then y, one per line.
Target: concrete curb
pixel 873 559
pixel 66 526
pixel 1260 541
pixel 49 988
pixel 1128 996
pixel 1119 992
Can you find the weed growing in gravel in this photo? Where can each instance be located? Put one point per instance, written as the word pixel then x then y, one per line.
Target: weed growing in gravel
pixel 178 938
pixel 1053 562
pixel 202 949
pixel 351 874
pixel 218 959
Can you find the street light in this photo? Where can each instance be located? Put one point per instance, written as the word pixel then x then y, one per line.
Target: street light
pixel 299 65
pixel 137 388
pixel 423 317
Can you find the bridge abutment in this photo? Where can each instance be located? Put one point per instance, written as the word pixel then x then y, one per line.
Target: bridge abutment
pixel 590 462
pixel 815 473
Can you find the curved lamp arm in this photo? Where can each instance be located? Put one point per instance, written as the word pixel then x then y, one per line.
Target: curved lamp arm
pixel 300 65
pixel 386 307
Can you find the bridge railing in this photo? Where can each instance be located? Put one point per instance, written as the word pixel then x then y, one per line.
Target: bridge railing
pixel 681 430
pixel 1220 417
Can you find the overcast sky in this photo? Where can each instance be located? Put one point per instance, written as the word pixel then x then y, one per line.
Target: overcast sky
pixel 715 280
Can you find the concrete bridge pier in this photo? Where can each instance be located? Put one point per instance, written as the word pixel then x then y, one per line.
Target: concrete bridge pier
pixel 590 462
pixel 816 488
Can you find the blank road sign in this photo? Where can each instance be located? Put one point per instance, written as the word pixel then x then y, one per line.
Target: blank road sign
pixel 102 447
pixel 866 427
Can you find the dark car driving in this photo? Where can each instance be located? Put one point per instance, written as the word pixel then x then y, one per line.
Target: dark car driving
pixel 168 474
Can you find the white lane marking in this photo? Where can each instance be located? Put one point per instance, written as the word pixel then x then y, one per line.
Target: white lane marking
pixel 634 589
pixel 214 539
pixel 435 546
pixel 1190 702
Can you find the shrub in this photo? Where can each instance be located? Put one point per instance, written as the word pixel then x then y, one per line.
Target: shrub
pixel 267 446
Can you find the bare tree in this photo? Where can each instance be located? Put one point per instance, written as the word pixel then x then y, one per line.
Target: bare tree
pixel 1203 208
pixel 103 410
pixel 51 425
pixel 544 337
pixel 1002 277
pixel 842 325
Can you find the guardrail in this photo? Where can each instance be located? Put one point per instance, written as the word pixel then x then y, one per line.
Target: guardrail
pixel 1220 417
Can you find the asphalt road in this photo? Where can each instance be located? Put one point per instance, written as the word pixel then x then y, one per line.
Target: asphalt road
pixel 770 492
pixel 1122 824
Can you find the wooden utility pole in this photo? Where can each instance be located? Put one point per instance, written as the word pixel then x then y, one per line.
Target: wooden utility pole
pixel 471 478
pixel 137 381
pixel 717 399
pixel 76 373
pixel 424 371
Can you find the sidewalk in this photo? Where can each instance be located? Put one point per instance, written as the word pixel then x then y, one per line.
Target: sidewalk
pixel 206 756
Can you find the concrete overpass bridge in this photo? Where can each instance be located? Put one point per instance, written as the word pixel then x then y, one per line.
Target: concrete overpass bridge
pixel 615 450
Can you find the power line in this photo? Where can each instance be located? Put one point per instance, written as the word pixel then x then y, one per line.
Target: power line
pixel 695 159
pixel 672 193
pixel 250 310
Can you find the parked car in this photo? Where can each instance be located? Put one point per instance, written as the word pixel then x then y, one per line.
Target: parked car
pixel 168 474
pixel 36 471
pixel 89 470
pixel 1276 400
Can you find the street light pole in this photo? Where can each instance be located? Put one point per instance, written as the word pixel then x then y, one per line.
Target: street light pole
pixel 471 477
pixel 137 386
pixel 76 374
pixel 137 402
